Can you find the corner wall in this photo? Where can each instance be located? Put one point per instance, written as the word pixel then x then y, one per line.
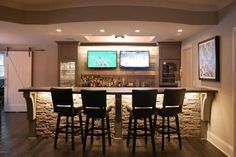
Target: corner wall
pixel 45 67
pixel 220 128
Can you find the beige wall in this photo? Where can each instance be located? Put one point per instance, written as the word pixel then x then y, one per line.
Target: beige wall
pixel 45 67
pixel 220 129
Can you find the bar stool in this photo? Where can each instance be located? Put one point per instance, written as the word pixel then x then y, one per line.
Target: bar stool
pixel 143 107
pixel 171 107
pixel 95 107
pixel 63 105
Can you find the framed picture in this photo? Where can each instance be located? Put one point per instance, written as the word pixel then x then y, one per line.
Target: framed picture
pixel 209 59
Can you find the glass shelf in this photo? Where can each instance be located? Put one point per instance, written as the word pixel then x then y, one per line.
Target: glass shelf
pixel 169 72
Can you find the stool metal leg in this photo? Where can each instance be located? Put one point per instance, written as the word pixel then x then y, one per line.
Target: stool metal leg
pixel 108 129
pixel 81 127
pixel 155 121
pixel 129 130
pixel 145 130
pixel 86 133
pixel 163 133
pixel 72 132
pixel 152 132
pixel 178 131
pixel 168 121
pixel 67 125
pixel 103 136
pixel 134 136
pixel 57 130
pixel 92 130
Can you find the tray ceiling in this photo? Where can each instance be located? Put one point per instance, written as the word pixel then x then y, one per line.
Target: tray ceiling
pixel 198 5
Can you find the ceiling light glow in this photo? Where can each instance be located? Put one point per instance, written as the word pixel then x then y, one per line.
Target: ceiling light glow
pixel 137 30
pixel 102 30
pixel 179 30
pixel 58 30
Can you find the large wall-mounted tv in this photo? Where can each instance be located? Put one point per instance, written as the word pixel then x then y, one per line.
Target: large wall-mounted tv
pixel 134 59
pixel 101 59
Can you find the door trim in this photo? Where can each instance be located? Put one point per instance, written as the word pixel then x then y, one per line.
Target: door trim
pixel 234 87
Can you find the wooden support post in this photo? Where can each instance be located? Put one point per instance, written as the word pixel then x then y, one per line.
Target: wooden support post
pixel 31 113
pixel 206 102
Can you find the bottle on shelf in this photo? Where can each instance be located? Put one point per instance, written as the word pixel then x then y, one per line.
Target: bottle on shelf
pixel 119 82
pixel 110 81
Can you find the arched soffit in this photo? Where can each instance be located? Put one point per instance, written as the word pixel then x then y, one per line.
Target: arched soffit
pixel 109 13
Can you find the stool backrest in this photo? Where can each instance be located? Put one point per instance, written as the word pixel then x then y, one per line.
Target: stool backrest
pixel 144 102
pixel 94 101
pixel 174 98
pixel 62 100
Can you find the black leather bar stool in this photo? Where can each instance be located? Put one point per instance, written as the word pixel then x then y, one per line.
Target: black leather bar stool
pixel 171 107
pixel 63 105
pixel 95 107
pixel 143 107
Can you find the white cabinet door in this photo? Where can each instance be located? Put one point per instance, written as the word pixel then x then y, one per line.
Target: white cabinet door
pixel 18 75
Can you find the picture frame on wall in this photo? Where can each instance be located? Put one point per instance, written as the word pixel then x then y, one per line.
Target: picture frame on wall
pixel 209 59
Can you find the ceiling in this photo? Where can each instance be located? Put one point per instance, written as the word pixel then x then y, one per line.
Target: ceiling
pixel 12 33
pixel 46 34
pixel 205 5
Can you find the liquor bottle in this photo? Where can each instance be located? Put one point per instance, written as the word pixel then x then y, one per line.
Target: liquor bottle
pixel 119 83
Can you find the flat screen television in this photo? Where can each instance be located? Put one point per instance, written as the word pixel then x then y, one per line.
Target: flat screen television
pixel 134 59
pixel 101 59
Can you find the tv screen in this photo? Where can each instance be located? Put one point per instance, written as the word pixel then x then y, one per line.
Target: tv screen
pixel 101 59
pixel 134 59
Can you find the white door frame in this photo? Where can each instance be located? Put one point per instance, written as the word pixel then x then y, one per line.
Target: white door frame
pixel 234 87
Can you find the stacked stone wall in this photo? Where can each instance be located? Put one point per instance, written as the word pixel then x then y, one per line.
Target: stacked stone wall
pixel 189 118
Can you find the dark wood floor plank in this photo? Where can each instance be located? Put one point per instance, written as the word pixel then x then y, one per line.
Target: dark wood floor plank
pixel 14 143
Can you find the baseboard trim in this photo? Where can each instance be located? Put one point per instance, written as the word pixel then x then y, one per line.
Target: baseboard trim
pixel 15 108
pixel 224 147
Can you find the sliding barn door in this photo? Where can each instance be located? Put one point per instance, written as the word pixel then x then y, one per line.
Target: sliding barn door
pixel 18 75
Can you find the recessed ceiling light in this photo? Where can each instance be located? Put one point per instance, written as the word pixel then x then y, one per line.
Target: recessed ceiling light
pixel 137 30
pixel 58 30
pixel 102 30
pixel 179 30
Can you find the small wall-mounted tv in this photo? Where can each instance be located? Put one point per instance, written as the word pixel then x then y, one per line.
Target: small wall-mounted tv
pixel 134 59
pixel 101 59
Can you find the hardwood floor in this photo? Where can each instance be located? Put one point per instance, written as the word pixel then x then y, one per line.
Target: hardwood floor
pixel 14 143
